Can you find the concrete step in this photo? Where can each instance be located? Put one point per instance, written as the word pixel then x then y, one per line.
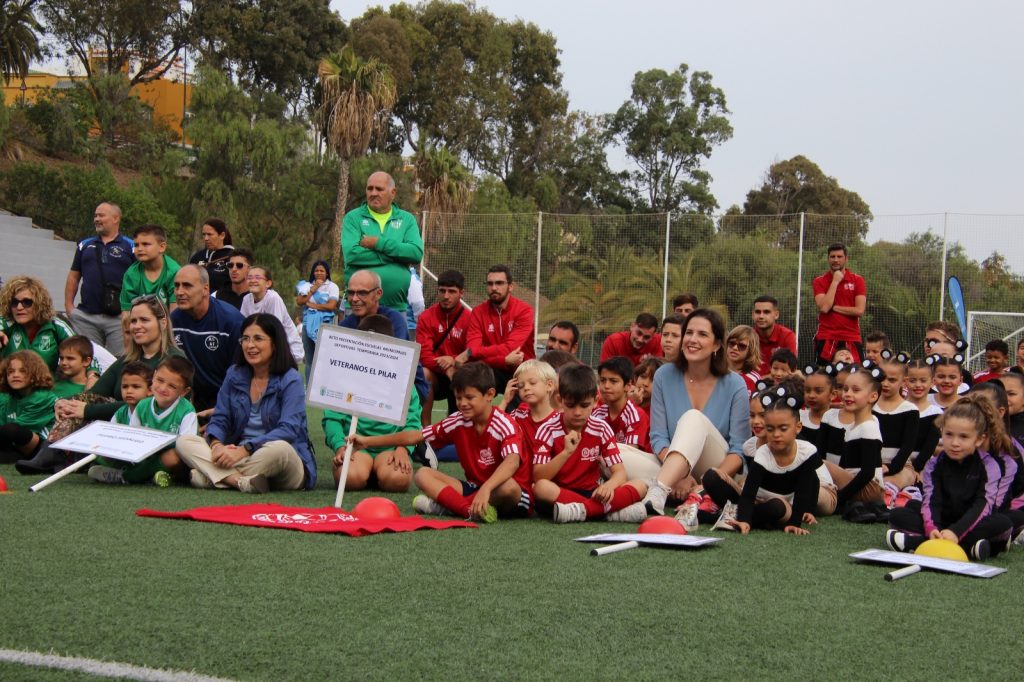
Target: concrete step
pixel 15 221
pixel 9 232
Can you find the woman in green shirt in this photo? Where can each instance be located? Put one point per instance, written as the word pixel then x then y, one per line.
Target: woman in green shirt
pixel 28 321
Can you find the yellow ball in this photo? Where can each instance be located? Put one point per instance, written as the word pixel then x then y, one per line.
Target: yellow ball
pixel 942 549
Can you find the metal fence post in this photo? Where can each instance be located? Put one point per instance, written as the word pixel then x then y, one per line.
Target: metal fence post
pixel 423 238
pixel 664 283
pixel 536 293
pixel 799 284
pixel 942 284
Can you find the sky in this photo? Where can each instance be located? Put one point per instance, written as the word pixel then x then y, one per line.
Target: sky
pixel 916 106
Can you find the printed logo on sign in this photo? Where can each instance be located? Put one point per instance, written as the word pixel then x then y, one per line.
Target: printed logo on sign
pixel 486 457
pixel 323 391
pixel 212 343
pixel 303 519
pixel 590 454
pixel 348 397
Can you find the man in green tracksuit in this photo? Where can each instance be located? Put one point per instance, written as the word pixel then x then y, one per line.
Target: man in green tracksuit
pixel 381 237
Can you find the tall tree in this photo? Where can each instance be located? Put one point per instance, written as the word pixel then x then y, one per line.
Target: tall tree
pixel 357 96
pixel 798 185
pixel 668 127
pixel 139 38
pixel 268 46
pixel 19 37
pixel 446 188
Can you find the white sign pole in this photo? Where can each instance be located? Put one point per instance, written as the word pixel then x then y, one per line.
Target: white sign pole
pixel 88 459
pixel 340 497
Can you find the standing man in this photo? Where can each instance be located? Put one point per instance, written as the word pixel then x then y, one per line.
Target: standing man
pixel 564 336
pixel 501 331
pixel 441 333
pixel 207 331
pixel 381 237
pixel 771 334
pixel 99 266
pixel 238 285
pixel 841 297
pixel 637 343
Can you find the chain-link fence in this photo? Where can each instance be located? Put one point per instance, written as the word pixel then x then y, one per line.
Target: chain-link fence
pixel 600 271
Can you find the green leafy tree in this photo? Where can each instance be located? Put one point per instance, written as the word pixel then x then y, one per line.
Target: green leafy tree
pixel 19 38
pixel 668 128
pixel 446 188
pixel 268 46
pixel 798 185
pixel 357 96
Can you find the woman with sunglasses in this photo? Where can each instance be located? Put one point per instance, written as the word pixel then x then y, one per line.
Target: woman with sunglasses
pixel 28 321
pixel 216 252
pixel 257 438
pixel 743 353
pixel 319 299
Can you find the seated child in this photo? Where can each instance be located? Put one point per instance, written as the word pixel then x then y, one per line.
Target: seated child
pixel 784 363
pixel 26 404
pixel 535 383
pixel 566 468
pixel 630 425
pixel 781 488
pixel 948 380
pixel 819 385
pixel 959 491
pixel 1013 383
pixel 387 468
pixel 898 421
pixel 643 380
pixel 843 355
pixel 490 447
pixel 920 378
pixel 874 343
pixel 166 409
pixel 74 358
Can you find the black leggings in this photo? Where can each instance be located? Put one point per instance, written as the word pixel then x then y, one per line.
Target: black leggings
pixel 768 514
pixel 995 528
pixel 13 437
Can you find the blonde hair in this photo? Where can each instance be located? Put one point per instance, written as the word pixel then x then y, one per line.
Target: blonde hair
pixel 133 351
pixel 42 304
pixel 543 370
pixel 981 411
pixel 753 358
pixel 39 376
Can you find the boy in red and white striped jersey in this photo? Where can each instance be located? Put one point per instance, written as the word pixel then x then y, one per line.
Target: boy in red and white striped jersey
pixel 490 448
pixel 570 449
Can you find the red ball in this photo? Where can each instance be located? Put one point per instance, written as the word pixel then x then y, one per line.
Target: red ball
pixel 662 524
pixel 378 508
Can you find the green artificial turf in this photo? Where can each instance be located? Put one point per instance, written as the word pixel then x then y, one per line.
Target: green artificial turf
pixel 83 576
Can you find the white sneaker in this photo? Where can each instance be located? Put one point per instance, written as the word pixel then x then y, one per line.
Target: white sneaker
pixel 573 512
pixel 686 513
pixel 1018 539
pixel 199 480
pixel 656 497
pixel 728 515
pixel 104 474
pixel 634 513
pixel 424 505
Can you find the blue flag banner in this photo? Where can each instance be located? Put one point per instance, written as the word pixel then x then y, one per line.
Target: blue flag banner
pixel 956 298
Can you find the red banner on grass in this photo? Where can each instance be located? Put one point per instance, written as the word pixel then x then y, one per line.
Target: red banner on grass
pixel 322 520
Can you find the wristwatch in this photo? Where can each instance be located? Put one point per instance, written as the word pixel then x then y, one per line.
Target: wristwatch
pixel 247 446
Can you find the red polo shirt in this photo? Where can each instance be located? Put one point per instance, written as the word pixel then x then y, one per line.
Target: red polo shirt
pixel 781 337
pixel 833 325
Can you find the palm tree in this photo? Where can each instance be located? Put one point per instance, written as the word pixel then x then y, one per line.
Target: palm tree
pixel 358 94
pixel 445 188
pixel 19 39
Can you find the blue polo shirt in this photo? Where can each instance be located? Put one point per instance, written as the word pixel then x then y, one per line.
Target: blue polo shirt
pixel 90 255
pixel 209 343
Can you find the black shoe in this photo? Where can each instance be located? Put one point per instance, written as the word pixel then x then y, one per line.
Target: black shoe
pixel 424 456
pixel 981 550
pixel 45 462
pixel 858 512
pixel 896 540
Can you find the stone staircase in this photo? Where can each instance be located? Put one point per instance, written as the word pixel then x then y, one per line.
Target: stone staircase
pixel 26 250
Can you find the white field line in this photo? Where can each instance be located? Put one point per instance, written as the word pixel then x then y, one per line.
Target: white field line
pixel 104 668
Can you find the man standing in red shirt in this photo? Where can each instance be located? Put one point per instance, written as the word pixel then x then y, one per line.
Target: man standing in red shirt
pixel 441 333
pixel 637 343
pixel 501 329
pixel 841 297
pixel 770 333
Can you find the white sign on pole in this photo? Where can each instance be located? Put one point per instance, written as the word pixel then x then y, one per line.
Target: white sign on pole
pixel 130 444
pixel 882 556
pixel 363 374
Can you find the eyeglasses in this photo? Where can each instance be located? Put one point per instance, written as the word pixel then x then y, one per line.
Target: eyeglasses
pixel 359 293
pixel 256 338
pixel 25 303
pixel 237 266
pixel 738 345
